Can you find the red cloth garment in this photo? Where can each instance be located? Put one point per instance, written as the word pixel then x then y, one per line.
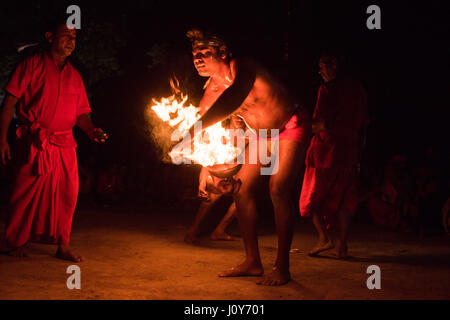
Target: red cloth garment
pixel 298 128
pixel 329 183
pixel 45 186
pixel 328 190
pixel 342 104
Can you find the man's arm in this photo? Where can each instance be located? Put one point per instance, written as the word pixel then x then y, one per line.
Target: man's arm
pixel 6 116
pixel 231 99
pixel 84 122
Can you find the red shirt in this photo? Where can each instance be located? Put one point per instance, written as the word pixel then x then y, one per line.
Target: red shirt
pixel 48 96
pixel 342 104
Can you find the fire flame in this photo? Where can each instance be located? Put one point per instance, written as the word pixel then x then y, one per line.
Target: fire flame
pixel 176 113
pixel 211 146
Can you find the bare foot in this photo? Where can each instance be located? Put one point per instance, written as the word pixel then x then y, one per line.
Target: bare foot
pixel 320 247
pixel 65 253
pixel 18 253
pixel 222 236
pixel 275 278
pixel 341 252
pixel 190 238
pixel 244 270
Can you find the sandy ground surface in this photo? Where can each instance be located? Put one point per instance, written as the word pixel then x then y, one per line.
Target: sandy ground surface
pixel 137 252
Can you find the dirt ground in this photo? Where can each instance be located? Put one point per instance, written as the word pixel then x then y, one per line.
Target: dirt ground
pixel 137 252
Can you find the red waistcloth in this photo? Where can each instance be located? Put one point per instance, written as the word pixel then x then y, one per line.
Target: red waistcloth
pixel 342 104
pixel 39 139
pixel 298 128
pixel 45 185
pixel 328 190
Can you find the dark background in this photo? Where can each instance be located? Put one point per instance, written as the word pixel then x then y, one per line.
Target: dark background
pixel 127 50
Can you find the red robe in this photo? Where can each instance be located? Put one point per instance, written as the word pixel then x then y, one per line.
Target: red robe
pixel 342 104
pixel 329 184
pixel 45 186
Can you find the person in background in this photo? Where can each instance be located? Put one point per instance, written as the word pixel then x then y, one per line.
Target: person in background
pixel 329 192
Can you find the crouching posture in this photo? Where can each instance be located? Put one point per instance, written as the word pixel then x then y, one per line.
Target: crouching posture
pixel 244 90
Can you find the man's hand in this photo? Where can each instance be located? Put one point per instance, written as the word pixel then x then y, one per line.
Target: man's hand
pixel 237 122
pixel 202 192
pixel 5 151
pixel 95 134
pixel 98 135
pixel 318 125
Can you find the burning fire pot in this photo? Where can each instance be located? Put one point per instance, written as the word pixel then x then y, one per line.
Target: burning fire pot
pixel 221 179
pixel 214 148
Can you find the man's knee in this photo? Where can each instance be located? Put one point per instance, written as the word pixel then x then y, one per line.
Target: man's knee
pixel 279 193
pixel 245 192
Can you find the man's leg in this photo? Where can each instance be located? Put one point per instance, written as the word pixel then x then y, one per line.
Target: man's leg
pixel 349 199
pixel 343 220
pixel 348 205
pixel 245 201
pixel 290 160
pixel 219 233
pixel 66 194
pixel 325 242
pixel 22 202
pixel 203 210
pixel 312 203
pixel 17 251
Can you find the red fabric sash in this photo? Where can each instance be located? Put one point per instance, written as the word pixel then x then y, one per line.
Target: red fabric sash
pixel 41 138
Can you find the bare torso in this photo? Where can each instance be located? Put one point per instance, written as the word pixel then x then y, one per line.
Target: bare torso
pixel 266 107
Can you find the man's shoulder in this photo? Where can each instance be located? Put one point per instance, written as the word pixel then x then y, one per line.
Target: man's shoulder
pixel 262 74
pixel 32 58
pixel 73 69
pixel 74 72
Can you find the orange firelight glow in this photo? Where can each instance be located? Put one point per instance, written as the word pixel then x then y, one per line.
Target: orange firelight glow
pixel 211 146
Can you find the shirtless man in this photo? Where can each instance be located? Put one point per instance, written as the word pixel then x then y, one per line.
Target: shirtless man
pixel 245 90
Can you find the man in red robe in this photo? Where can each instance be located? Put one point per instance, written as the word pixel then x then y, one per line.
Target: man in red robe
pixel 329 186
pixel 50 99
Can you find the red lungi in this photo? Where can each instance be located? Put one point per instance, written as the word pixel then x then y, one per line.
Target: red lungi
pixel 328 190
pixel 45 186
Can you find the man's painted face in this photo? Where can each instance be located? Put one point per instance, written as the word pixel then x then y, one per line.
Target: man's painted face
pixel 327 68
pixel 206 59
pixel 64 40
